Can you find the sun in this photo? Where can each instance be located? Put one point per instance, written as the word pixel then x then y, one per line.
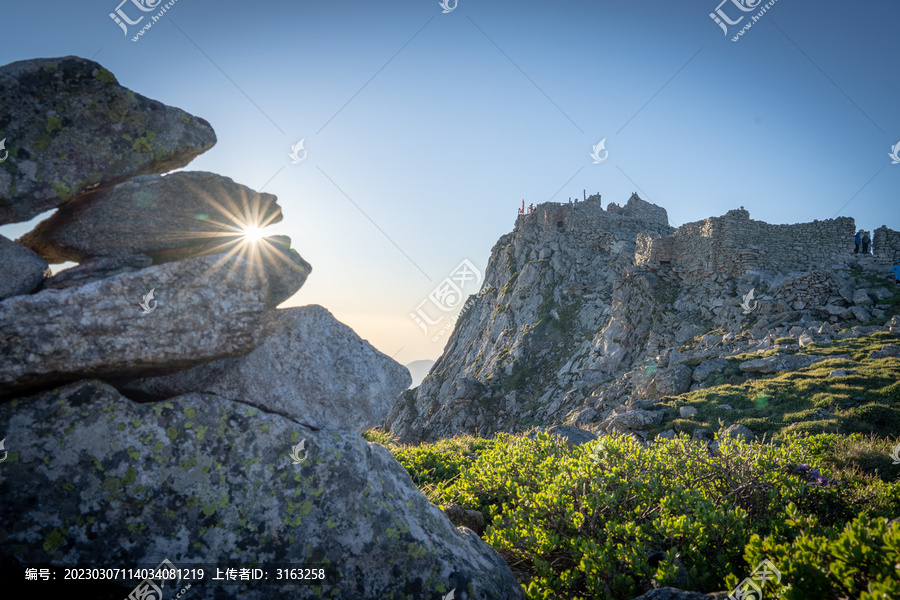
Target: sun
pixel 252 233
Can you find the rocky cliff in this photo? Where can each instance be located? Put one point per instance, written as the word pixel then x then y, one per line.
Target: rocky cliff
pixel 587 314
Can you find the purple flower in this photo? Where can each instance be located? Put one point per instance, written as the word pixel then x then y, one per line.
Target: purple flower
pixel 802 468
pixel 822 480
pixel 814 474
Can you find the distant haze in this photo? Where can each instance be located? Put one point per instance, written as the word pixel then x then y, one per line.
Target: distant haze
pixel 419 369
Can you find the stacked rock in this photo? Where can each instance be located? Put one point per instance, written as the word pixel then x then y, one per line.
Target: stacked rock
pixel 154 404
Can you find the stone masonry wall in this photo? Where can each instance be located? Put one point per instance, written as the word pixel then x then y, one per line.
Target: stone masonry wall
pixel 886 243
pixel 733 244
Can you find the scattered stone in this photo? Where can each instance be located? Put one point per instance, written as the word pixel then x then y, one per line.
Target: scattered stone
pixel 687 411
pixel 307 366
pixel 842 372
pixel 574 436
pixel 708 367
pixel 885 352
pixel 725 407
pixel 637 419
pixel 861 298
pixel 883 294
pixel 701 435
pixel 70 127
pixel 165 217
pixel 739 431
pixel 784 362
pixel 894 324
pixel 861 314
pixel 669 434
pixel 806 340
pixel 670 381
pixel 462 517
pixel 219 481
pixel 202 309
pixel 21 270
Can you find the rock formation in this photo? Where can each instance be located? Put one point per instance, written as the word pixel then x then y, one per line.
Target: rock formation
pixel 586 317
pixel 70 127
pixel 155 405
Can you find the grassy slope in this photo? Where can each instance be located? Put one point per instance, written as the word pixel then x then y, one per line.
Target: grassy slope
pixel 605 521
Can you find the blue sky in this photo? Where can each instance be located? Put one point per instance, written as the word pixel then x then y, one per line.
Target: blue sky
pixel 425 130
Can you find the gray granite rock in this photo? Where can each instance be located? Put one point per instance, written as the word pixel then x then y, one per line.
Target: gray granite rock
pixel 92 477
pixel 202 309
pixel 70 127
pixel 784 362
pixel 165 217
pixel 21 270
pixel 307 366
pixel 708 367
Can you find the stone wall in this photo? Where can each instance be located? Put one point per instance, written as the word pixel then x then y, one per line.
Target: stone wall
pixel 886 243
pixel 733 244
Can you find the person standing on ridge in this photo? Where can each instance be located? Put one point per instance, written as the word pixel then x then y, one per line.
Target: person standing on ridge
pixel 865 242
pixel 856 240
pixel 896 271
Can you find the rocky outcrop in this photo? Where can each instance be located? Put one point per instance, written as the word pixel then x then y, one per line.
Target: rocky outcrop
pixel 786 362
pixel 587 315
pixel 165 217
pixel 283 374
pixel 70 127
pixel 95 269
pixel 21 270
pixel 100 329
pixel 95 478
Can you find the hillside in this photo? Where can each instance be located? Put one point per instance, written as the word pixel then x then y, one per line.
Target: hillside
pixel 615 517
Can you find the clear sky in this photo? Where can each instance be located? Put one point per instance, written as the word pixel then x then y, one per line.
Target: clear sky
pixel 424 130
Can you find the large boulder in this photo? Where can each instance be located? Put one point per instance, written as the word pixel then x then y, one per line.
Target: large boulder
pixel 69 127
pixel 95 269
pixel 308 366
pixel 165 217
pixel 21 270
pixel 202 309
pixel 95 478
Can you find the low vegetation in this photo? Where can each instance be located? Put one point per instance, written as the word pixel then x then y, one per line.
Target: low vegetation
pixel 818 495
